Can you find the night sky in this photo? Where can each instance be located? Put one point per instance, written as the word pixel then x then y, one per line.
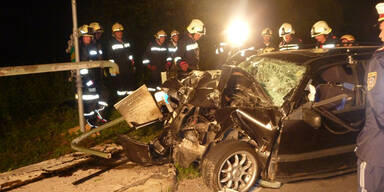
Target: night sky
pixel 36 32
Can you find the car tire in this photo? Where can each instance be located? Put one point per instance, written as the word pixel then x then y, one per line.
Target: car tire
pixel 230 164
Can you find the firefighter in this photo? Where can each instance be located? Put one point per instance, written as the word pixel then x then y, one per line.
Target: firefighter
pixel 98 34
pixel 187 54
pixel 99 72
pixel 119 51
pixel 172 48
pixel 267 45
pixel 370 169
pixel 323 35
pixel 90 95
pixel 155 58
pixel 289 40
pixel 347 40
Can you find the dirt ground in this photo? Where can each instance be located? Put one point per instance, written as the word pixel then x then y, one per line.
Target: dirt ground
pixel 129 177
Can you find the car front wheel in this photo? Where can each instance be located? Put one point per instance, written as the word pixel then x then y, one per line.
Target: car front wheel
pixel 230 165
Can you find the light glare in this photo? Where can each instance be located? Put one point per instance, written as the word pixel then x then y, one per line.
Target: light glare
pixel 237 33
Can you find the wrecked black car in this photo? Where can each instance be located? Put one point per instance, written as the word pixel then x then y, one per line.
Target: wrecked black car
pixel 275 117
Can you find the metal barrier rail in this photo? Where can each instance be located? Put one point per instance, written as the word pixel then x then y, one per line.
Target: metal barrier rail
pixel 54 67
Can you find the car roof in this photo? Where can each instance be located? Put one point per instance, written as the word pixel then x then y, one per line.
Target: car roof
pixel 304 55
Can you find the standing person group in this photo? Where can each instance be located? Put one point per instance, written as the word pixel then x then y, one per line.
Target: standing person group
pixel 320 31
pixel 160 56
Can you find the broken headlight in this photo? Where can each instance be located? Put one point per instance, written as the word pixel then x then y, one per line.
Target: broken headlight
pixel 162 100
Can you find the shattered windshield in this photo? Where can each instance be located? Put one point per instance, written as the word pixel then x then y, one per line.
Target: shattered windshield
pixel 277 77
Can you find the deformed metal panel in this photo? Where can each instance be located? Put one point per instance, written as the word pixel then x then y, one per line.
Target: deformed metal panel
pixel 139 107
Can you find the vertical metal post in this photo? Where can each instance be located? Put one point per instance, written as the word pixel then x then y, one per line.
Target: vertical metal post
pixel 78 78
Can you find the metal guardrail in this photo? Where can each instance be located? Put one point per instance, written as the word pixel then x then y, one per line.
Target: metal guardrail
pixel 75 143
pixel 54 67
pixel 68 66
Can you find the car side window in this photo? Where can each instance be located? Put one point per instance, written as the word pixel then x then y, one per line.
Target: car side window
pixel 335 80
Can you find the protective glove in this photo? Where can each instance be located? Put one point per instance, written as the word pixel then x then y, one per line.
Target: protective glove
pixel 152 67
pixel 184 65
pixel 168 65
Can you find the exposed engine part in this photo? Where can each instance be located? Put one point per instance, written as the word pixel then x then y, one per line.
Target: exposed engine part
pixel 187 151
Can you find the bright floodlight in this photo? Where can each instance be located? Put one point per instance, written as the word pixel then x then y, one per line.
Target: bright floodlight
pixel 237 33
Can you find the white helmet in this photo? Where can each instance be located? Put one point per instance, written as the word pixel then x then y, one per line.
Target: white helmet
pixel 117 27
pixel 196 26
pixel 160 33
pixel 285 29
pixel 86 30
pixel 266 31
pixel 320 28
pixel 96 27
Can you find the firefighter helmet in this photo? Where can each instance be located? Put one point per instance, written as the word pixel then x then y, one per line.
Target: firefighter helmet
pixel 285 29
pixel 96 27
pixel 348 37
pixel 380 11
pixel 160 33
pixel 86 30
pixel 117 27
pixel 266 31
pixel 174 32
pixel 320 28
pixel 196 26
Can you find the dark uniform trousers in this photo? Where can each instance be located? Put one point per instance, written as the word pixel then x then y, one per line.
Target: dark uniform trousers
pixel 370 142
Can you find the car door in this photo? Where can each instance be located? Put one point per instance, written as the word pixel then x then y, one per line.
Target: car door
pixel 318 138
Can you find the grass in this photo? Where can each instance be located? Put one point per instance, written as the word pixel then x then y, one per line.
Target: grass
pixel 38 138
pixel 47 136
pixel 191 172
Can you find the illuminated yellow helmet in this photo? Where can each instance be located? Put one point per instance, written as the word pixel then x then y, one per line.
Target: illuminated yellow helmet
pixel 196 26
pixel 174 32
pixel 348 37
pixel 320 28
pixel 96 27
pixel 160 33
pixel 117 27
pixel 86 30
pixel 266 31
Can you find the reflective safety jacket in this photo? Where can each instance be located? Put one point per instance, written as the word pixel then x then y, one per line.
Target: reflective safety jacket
pixel 120 53
pixel 155 59
pixel 330 42
pixel 187 51
pixel 370 141
pixel 100 51
pixel 88 76
pixel 295 43
pixel 155 55
pixel 171 48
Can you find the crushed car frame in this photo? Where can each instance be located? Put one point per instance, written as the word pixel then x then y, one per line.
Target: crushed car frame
pixel 275 117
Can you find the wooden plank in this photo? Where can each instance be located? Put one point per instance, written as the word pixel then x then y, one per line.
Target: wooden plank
pixel 27 174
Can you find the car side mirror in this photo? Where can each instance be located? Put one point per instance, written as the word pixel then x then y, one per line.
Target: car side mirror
pixel 312 118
